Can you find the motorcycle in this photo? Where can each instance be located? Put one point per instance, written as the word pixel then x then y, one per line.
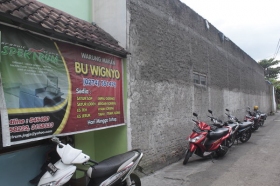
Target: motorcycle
pixel 114 171
pixel 263 117
pixel 242 129
pixel 207 140
pixel 233 130
pixel 253 117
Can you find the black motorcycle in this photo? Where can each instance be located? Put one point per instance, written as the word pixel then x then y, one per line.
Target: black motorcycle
pixel 240 131
pixel 233 128
pixel 243 129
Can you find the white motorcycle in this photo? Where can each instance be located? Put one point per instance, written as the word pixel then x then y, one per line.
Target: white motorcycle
pixel 114 171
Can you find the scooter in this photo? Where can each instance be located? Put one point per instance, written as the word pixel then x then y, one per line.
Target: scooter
pixel 114 171
pixel 206 140
pixel 253 117
pixel 243 132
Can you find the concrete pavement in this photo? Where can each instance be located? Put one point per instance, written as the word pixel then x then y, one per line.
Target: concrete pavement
pixel 255 163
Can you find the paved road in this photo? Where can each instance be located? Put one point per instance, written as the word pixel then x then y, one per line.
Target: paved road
pixel 255 163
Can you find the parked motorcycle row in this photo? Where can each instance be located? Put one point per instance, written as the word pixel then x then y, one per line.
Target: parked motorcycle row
pixel 206 140
pixel 215 139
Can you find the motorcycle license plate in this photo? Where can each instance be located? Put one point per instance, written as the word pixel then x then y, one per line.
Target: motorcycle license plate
pixel 51 169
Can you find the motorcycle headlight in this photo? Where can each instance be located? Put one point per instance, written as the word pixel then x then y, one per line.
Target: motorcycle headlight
pixel 48 184
pixel 195 138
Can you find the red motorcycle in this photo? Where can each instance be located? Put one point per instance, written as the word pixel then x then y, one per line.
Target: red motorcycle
pixel 253 117
pixel 206 140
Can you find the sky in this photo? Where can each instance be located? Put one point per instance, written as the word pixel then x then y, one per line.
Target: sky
pixel 253 25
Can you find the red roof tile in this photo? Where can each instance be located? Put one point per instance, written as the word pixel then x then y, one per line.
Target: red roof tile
pixel 33 14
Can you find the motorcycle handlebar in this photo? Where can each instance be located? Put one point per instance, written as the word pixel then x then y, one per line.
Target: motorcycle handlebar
pixel 56 140
pixel 194 121
pixel 210 117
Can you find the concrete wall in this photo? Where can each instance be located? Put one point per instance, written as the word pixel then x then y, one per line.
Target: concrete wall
pixel 110 15
pixel 168 42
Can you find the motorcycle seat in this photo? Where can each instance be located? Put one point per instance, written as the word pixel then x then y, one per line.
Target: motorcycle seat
pixel 263 116
pixel 106 168
pixel 243 125
pixel 218 133
pixel 232 125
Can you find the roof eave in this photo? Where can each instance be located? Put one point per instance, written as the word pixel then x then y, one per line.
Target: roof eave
pixel 27 25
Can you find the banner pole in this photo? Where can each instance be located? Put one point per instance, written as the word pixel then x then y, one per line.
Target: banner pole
pixel 6 138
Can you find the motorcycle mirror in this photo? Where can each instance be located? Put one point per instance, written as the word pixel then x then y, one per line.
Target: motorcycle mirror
pixel 55 140
pixel 195 114
pixel 227 110
pixel 210 111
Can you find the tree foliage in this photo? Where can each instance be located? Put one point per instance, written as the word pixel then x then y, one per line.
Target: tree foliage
pixel 270 71
pixel 271 74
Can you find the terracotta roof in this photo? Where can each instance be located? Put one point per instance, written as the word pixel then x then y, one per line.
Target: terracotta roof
pixel 36 16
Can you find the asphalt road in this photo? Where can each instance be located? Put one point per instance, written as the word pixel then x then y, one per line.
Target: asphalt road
pixel 254 163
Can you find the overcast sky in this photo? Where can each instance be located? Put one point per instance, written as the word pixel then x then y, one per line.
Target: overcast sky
pixel 253 25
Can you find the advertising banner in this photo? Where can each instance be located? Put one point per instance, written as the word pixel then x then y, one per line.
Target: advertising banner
pixel 56 88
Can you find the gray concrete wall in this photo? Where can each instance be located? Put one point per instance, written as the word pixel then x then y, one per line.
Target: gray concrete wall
pixel 110 15
pixel 168 42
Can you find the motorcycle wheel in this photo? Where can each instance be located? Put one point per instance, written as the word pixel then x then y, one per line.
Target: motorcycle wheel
pixel 257 127
pixel 222 151
pixel 261 123
pixel 230 141
pixel 245 136
pixel 135 180
pixel 187 157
